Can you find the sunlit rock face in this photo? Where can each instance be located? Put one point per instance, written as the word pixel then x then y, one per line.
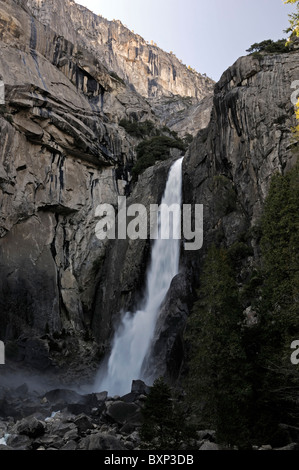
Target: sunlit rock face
pixel 147 68
pixel 179 96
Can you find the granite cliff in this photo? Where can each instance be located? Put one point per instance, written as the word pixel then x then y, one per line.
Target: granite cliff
pixel 70 78
pixel 63 153
pixel 230 164
pixel 145 67
pixel 228 168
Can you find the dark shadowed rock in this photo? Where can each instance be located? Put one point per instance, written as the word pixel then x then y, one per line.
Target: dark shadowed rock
pixel 87 403
pixel 83 423
pixel 35 352
pixel 129 397
pixel 4 447
pixel 128 428
pixel 209 446
pixel 100 441
pixel 49 440
pixel 19 442
pixel 30 427
pixel 70 445
pixel 22 390
pixel 61 428
pixel 138 386
pixel 77 408
pixel 121 413
pixel 63 397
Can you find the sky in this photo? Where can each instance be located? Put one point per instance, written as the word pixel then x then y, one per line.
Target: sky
pixel 208 35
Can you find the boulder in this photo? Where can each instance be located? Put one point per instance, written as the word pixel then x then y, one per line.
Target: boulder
pixel 138 386
pixel 30 427
pixel 60 398
pixel 62 429
pixel 83 423
pixel 100 441
pixel 121 413
pixel 207 445
pixel 70 445
pixel 19 442
pixel 102 396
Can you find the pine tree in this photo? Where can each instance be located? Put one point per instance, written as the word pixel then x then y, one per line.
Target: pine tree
pixel 277 385
pixel 164 426
pixel 218 383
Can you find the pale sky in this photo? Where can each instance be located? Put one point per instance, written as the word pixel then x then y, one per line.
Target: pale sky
pixel 208 35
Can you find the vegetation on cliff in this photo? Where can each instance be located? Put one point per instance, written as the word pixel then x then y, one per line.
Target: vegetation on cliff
pixel 156 143
pixel 155 149
pixel 270 47
pixel 294 19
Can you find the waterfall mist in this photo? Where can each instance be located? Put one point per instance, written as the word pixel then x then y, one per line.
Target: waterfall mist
pixel 133 337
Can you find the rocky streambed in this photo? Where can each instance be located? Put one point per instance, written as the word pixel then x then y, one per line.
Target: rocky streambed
pixel 63 419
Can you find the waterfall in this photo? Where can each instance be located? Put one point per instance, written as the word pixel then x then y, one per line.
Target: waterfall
pixel 132 339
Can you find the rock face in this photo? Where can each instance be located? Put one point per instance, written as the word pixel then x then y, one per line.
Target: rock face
pixel 167 353
pixel 148 69
pixel 179 96
pixel 228 169
pixel 184 115
pixel 61 155
pixel 229 165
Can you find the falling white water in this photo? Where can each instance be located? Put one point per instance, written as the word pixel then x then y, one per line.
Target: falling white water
pixel 133 337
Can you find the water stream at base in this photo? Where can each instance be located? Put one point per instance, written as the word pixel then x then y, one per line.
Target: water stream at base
pixel 133 337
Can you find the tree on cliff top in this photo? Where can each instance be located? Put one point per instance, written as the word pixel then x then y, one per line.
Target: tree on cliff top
pixel 269 47
pixel 294 19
